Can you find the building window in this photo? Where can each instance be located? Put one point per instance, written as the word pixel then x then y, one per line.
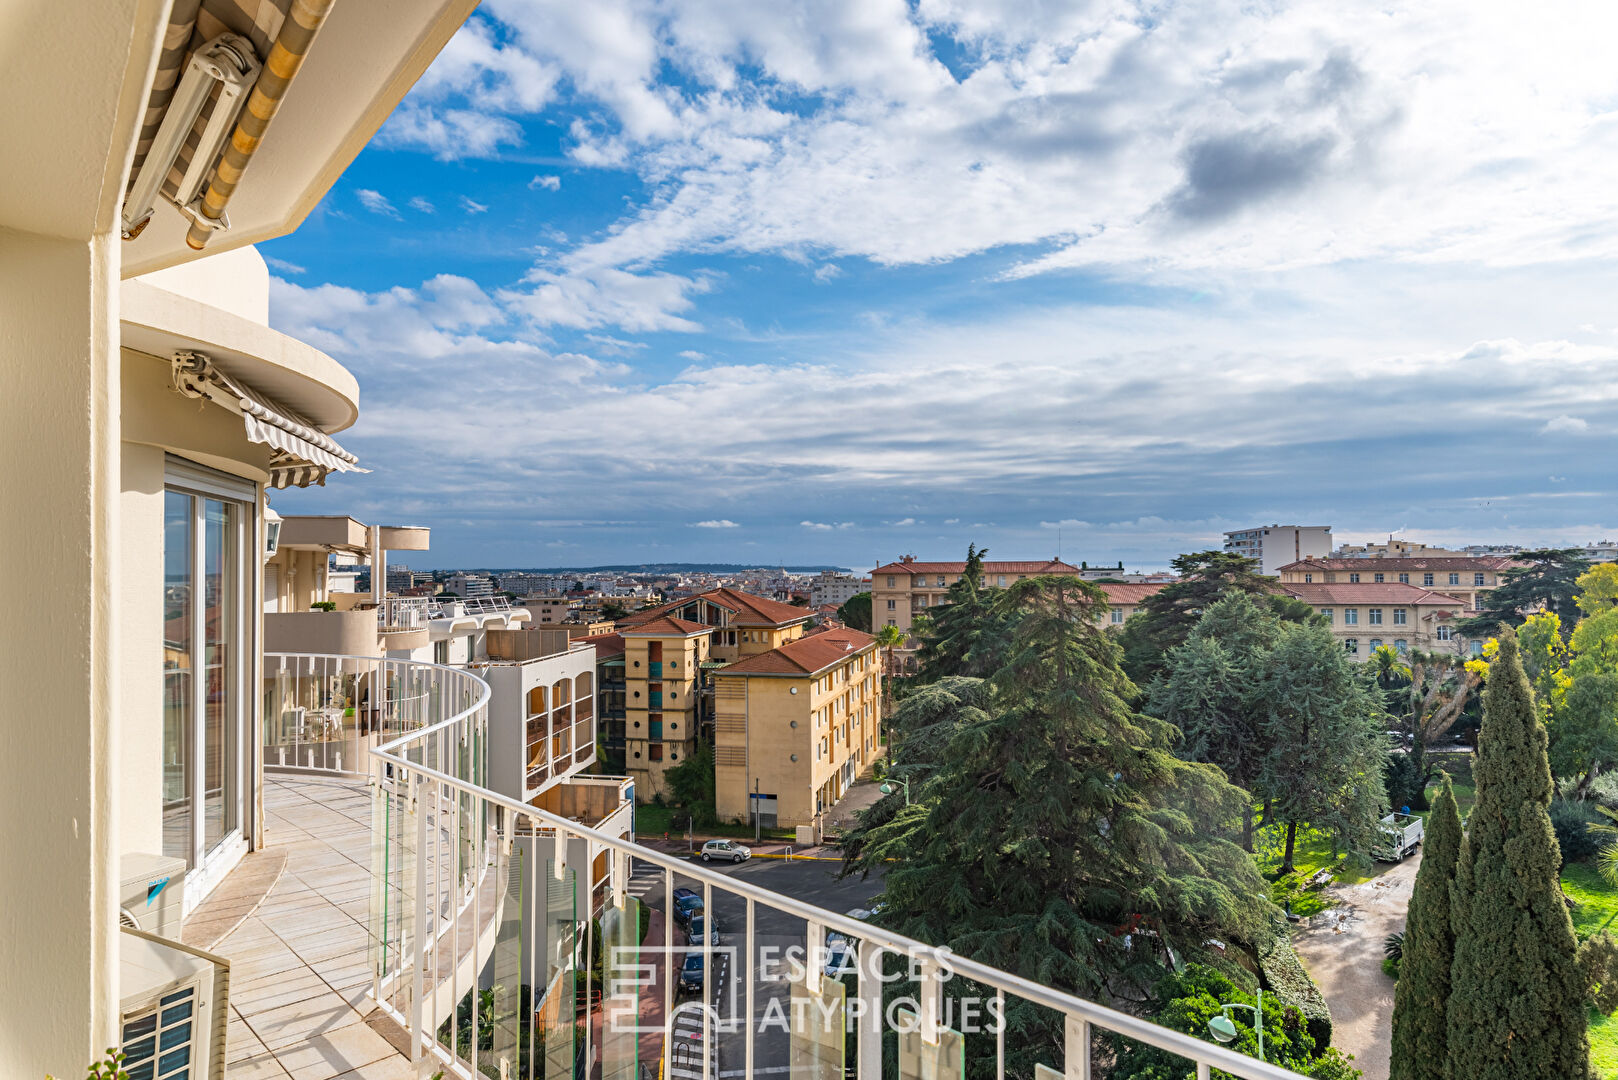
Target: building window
pixel 1351 644
pixel 940 581
pixel 1426 579
pixel 1455 579
pixel 1398 616
pixel 890 581
pixel 1375 616
pixel 1326 611
pixel 1477 648
pixel 892 605
pixel 1354 578
pixel 1351 616
pixel 892 623
pixel 1404 579
pixel 1117 615
pixel 1445 633
pixel 1401 646
pixel 1000 580
pixel 1308 578
pixel 1330 577
pixel 1477 579
pixel 1376 643
pixel 1377 578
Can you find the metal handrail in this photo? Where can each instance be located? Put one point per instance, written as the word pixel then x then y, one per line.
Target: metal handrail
pixel 1080 1013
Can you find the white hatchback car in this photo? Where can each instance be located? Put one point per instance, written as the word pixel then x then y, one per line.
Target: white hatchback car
pixel 725 849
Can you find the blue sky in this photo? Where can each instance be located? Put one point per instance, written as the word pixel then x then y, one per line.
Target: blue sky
pixel 832 282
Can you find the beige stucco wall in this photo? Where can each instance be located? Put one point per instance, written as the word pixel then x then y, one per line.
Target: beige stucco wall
pixel 140 682
pixel 236 281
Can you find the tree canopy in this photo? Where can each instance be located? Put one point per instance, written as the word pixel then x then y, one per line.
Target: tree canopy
pixel 1549 581
pixel 1420 1001
pixel 855 612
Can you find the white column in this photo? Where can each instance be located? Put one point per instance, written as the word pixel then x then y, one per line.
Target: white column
pixel 59 515
pixel 379 567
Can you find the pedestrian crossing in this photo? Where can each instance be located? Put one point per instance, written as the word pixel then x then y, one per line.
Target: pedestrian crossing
pixel 644 878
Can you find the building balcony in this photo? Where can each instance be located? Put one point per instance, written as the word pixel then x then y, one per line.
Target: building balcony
pixel 403 884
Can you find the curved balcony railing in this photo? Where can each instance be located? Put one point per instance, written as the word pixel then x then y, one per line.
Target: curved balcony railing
pixel 323 712
pixel 509 946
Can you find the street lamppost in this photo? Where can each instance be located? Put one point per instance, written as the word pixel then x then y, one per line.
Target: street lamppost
pixel 887 788
pixel 1225 1031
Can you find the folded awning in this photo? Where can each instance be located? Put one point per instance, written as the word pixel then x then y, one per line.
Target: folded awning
pixel 303 454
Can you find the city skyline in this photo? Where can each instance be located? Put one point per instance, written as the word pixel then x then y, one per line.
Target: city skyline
pixel 629 283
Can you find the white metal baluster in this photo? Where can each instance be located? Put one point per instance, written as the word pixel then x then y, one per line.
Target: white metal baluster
pixel 1202 1070
pixel 538 909
pixel 417 944
pixel 931 985
pixel 869 1047
pixel 751 949
pixel 1000 1035
pixel 1076 1048
pixel 669 974
pixel 589 942
pixel 709 983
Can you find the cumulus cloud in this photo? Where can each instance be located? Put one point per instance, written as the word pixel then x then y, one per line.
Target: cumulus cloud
pixel 549 183
pixel 715 523
pixel 828 272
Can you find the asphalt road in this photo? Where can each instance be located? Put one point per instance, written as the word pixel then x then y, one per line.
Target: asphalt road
pixel 773 933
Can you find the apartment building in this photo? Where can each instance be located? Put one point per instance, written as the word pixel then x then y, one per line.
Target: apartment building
pixel 829 588
pixel 664 705
pixel 1124 601
pixel 1273 546
pixel 795 726
pixel 743 624
pixel 1467 579
pixel 1366 615
pixel 612 714
pixel 550 610
pixel 470 586
pixel 902 590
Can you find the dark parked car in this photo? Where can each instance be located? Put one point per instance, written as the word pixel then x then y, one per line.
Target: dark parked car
pixel 697 927
pixel 685 907
pixel 691 974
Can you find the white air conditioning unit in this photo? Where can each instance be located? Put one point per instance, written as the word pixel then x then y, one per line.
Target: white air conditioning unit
pixel 173 1011
pixel 151 896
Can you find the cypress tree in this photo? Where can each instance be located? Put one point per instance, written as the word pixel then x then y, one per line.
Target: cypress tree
pixel 1516 1007
pixel 1420 1021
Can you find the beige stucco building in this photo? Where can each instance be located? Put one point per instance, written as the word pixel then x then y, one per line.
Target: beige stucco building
pixel 794 726
pixel 902 590
pixel 1466 578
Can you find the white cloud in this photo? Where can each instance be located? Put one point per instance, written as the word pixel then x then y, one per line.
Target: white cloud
pixel 828 272
pixel 1565 425
pixel 585 299
pixel 423 205
pixel 903 522
pixel 472 206
pixel 717 523
pixel 449 133
pixel 376 202
pixel 283 266
pixel 692 354
pixel 549 183
pixel 826 526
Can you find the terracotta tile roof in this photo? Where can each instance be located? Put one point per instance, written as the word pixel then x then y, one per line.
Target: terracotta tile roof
pixel 607 645
pixel 745 608
pixel 1052 566
pixel 806 656
pixel 1390 592
pixel 1454 562
pixel 1132 593
pixel 666 625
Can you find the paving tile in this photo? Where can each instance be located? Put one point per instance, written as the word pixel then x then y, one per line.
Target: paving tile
pixel 397 1067
pixel 334 1053
pixel 263 1067
pixel 295 1022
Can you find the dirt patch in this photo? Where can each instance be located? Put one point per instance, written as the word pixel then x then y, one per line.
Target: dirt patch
pixel 1342 948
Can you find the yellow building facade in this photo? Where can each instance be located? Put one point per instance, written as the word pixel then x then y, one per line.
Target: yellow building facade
pixel 663 670
pixel 795 726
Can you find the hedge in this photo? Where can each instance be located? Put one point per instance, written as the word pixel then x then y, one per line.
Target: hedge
pixel 1284 976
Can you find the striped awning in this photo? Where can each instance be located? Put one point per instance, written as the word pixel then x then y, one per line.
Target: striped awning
pixel 303 454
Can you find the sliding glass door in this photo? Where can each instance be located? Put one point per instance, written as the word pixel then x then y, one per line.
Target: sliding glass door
pixel 206 536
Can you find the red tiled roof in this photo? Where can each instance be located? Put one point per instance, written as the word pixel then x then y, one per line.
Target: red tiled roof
pixel 666 625
pixel 746 609
pixel 1132 593
pixel 1453 562
pixel 806 656
pixel 607 645
pixel 1391 592
pixel 1052 566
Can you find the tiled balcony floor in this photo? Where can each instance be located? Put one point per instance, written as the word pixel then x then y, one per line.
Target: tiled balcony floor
pixel 300 967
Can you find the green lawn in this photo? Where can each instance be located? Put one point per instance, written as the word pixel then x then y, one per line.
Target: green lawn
pixel 1596 910
pixel 652 820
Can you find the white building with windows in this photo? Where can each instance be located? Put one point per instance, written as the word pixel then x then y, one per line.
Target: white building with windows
pixel 830 587
pixel 1273 546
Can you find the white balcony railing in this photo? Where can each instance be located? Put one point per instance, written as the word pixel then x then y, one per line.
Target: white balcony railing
pixel 403 613
pixel 478 898
pixel 323 712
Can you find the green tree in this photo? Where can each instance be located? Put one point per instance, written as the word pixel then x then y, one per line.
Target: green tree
pixel 1059 837
pixel 855 612
pixel 1598 588
pixel 1549 581
pixel 1440 685
pixel 1166 618
pixel 612 609
pixel 1516 1005
pixel 691 785
pixel 963 636
pixel 1420 1023
pixel 1326 742
pixel 1208 692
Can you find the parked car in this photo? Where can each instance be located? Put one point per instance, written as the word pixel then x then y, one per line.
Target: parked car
pixel 697 927
pixel 691 974
pixel 840 955
pixel 725 849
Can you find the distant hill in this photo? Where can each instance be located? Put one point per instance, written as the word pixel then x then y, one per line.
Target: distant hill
pixel 660 568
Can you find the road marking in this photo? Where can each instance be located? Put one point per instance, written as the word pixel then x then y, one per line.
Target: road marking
pixel 770 1071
